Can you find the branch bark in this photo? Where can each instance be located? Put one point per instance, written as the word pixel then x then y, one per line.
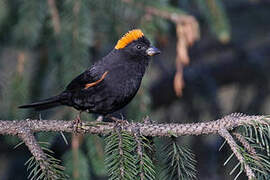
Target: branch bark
pixel 234 147
pixel 24 129
pixel 29 140
pixel 229 122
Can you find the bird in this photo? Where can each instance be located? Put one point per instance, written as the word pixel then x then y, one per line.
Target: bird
pixel 110 83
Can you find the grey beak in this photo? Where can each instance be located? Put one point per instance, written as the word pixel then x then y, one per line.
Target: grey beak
pixel 151 51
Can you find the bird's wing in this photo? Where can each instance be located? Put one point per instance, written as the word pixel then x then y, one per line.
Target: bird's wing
pixel 91 84
pixel 86 80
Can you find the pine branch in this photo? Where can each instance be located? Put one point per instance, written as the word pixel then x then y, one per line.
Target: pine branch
pixel 254 148
pixel 212 127
pixel 234 147
pixel 120 160
pixel 30 141
pixel 246 145
pixel 43 165
pixel 145 162
pixel 24 129
pixel 179 163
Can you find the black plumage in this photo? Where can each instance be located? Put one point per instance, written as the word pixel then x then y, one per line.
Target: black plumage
pixel 109 84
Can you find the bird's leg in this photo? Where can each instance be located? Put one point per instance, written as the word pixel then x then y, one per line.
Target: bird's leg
pixel 77 122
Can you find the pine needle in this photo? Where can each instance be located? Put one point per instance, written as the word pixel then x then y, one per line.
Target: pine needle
pixel 180 162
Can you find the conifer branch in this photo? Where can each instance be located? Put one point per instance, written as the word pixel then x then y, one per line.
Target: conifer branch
pixel 120 150
pixel 49 166
pixel 24 129
pixel 144 150
pixel 29 140
pixel 212 127
pixel 119 159
pixel 246 145
pixel 140 155
pixel 234 147
pixel 179 161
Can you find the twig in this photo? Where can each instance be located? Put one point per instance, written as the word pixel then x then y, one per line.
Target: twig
pixel 226 135
pixel 140 154
pixel 121 153
pixel 246 144
pixel 30 141
pixel 25 134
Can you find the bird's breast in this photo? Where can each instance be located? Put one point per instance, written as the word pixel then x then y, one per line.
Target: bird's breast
pixel 123 84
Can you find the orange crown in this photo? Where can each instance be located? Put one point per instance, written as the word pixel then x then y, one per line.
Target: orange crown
pixel 128 38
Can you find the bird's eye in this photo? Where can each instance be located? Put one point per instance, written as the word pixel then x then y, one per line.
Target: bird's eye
pixel 139 47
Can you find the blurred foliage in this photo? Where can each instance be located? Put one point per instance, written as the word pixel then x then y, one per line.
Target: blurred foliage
pixel 215 14
pixel 71 167
pixel 95 148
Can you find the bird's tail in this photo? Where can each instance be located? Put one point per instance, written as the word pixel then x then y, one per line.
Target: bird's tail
pixel 44 104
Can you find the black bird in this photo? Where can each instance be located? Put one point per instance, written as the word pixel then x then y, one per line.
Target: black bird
pixel 110 83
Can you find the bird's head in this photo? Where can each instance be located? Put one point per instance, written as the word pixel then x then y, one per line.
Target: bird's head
pixel 135 44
